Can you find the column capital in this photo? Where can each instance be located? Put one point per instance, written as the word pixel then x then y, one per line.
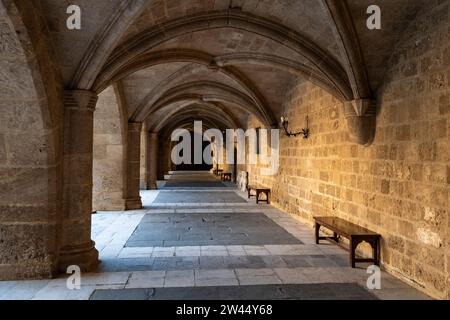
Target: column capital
pixel 135 126
pixel 80 100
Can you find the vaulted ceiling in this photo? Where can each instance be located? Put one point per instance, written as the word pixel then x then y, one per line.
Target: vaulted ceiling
pixel 222 60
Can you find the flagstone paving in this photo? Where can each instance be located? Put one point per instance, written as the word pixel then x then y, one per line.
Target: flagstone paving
pixel 192 243
pixel 325 291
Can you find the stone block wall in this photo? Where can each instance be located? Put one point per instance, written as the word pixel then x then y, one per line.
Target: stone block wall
pixel 30 150
pixel 400 185
pixel 109 154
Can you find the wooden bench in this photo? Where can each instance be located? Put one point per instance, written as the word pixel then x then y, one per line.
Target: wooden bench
pixel 226 176
pixel 259 191
pixel 354 233
pixel 218 172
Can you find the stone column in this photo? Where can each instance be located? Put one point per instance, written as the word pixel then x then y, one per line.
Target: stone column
pixel 163 159
pixel 143 184
pixel 152 160
pixel 160 161
pixel 77 248
pixel 168 165
pixel 133 200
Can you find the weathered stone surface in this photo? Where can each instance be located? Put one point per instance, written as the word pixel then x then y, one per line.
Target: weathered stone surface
pixel 448 175
pixel 16 186
pixel 34 248
pixel 247 65
pixel 77 247
pixel 109 154
pixel 8 41
pixel 2 150
pixel 28 213
pixel 35 150
pixel 133 199
pixel 23 256
pixel 398 186
pixel 152 161
pixel 20 116
pixel 144 158
pixel 29 165
pixel 15 80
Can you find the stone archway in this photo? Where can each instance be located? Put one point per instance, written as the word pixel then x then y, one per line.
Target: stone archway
pixel 109 153
pixel 30 151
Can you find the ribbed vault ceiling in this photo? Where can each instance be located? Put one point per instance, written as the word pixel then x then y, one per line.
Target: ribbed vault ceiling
pixel 220 61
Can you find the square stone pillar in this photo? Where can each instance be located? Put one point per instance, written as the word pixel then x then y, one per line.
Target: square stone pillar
pixel 133 200
pixel 77 248
pixel 161 160
pixel 152 161
pixel 170 165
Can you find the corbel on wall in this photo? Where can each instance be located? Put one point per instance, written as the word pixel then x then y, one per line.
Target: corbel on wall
pixel 361 120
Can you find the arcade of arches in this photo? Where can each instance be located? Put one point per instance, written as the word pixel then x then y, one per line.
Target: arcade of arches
pixel 86 117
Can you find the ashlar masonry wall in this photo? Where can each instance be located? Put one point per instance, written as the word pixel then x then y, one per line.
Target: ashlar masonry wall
pixel 400 185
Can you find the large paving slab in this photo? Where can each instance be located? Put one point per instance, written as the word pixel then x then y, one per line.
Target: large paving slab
pixel 183 196
pixel 323 291
pixel 193 184
pixel 218 262
pixel 208 229
pixel 230 251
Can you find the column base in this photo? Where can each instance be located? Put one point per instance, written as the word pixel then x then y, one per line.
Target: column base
pixel 84 256
pixel 133 204
pixel 152 186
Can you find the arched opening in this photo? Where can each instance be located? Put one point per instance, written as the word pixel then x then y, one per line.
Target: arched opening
pixel 109 154
pixel 192 165
pixel 375 102
pixel 30 156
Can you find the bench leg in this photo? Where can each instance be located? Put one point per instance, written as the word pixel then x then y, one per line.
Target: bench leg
pixel 317 229
pixel 353 245
pixel 376 252
pixel 257 197
pixel 336 237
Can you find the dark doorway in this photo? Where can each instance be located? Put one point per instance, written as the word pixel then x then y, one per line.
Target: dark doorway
pixel 195 167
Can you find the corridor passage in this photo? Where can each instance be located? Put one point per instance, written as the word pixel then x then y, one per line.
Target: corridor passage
pixel 200 238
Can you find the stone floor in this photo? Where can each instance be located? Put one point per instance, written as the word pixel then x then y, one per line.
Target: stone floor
pixel 328 291
pixel 199 238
